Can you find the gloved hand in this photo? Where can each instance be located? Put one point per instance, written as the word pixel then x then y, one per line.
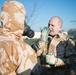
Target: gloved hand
pixel 50 59
pixel 43 39
pixel 44 33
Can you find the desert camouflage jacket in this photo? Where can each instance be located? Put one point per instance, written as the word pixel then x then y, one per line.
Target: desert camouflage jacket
pixel 16 57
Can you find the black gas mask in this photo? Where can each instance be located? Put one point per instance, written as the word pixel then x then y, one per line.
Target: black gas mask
pixel 28 31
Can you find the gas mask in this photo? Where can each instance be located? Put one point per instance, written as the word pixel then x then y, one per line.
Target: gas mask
pixel 28 31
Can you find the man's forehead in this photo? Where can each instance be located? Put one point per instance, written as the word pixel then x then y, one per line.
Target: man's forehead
pixel 56 20
pixel 53 21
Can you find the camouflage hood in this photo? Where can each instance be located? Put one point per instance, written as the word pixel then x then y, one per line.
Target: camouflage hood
pixel 12 17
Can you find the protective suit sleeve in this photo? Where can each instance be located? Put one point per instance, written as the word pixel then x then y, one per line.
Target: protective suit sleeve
pixel 41 43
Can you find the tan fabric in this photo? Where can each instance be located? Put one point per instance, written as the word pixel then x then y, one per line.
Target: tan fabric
pixel 12 16
pixel 59 47
pixel 15 55
pixel 63 54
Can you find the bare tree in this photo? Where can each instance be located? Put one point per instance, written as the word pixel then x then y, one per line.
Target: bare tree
pixel 73 21
pixel 32 16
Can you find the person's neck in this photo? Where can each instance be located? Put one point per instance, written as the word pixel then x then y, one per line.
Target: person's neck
pixel 51 35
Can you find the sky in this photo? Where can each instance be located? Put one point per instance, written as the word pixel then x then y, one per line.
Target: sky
pixel 38 12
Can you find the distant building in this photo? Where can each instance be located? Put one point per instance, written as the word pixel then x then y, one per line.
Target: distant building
pixel 72 33
pixel 37 35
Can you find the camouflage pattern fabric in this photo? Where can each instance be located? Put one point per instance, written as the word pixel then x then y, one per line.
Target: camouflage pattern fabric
pixel 16 56
pixel 63 50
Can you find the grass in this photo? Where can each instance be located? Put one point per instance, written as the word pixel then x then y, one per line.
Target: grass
pixel 30 41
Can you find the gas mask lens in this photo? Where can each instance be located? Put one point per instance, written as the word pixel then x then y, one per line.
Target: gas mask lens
pixel 28 32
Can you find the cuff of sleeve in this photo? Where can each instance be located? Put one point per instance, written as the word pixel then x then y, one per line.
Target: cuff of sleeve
pixel 59 62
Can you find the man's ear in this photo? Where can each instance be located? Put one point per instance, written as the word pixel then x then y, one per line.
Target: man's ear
pixel 60 28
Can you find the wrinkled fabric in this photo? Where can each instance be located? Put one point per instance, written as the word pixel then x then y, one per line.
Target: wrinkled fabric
pixel 13 16
pixel 16 56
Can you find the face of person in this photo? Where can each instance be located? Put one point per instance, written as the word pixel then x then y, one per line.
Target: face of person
pixel 54 26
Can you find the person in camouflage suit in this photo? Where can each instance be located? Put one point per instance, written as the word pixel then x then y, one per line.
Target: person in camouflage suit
pixel 16 56
pixel 55 50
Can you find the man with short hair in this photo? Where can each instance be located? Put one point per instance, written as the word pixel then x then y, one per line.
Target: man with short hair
pixel 55 50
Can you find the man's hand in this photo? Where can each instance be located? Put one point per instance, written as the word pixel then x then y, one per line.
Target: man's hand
pixel 40 44
pixel 50 59
pixel 44 34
